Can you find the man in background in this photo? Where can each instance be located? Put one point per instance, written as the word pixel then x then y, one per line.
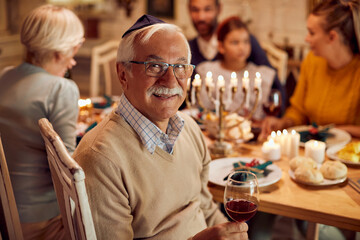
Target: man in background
pixel 204 15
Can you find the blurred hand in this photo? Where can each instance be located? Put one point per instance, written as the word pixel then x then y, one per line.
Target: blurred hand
pixel 269 124
pixel 224 231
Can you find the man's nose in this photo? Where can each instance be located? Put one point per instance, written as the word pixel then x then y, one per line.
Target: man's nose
pixel 169 79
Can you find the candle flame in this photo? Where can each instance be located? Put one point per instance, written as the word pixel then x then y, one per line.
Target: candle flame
pixel 233 75
pixel 258 75
pixel 278 132
pixel 209 74
pixel 285 132
pixel 273 134
pixel 293 132
pixel 197 76
pixel 271 142
pixel 246 74
pixel 316 143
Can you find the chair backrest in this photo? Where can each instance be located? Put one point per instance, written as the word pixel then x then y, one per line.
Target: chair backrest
pixel 69 182
pixel 278 59
pixel 103 57
pixel 10 222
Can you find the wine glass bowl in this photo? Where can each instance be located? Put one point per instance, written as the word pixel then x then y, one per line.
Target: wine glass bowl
pixel 272 105
pixel 241 196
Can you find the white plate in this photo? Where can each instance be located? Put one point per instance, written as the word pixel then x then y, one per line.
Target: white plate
pixel 220 168
pixel 340 136
pixel 332 154
pixel 326 182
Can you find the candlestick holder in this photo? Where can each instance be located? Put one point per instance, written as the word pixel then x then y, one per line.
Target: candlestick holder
pixel 222 106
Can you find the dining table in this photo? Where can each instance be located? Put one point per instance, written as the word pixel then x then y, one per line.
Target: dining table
pixel 336 205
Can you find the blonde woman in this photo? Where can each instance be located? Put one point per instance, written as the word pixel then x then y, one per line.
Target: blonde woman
pixel 33 90
pixel 329 84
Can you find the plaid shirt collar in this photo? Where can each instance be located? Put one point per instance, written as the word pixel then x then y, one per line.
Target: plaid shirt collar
pixel 150 135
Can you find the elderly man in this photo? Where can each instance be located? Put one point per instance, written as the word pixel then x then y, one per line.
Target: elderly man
pixel 146 164
pixel 204 15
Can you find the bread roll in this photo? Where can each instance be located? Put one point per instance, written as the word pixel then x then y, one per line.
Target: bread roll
pixel 333 170
pixel 307 174
pixel 302 161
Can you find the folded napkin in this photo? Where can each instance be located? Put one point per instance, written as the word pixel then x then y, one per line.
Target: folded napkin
pixel 242 166
pixel 104 104
pixel 315 133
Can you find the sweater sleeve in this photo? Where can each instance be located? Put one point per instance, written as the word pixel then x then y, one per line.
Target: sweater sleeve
pixel 63 111
pixel 107 195
pixel 296 111
pixel 211 211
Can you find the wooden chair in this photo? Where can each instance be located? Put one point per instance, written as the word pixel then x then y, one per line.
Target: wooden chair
pixel 10 222
pixel 69 182
pixel 278 59
pixel 103 57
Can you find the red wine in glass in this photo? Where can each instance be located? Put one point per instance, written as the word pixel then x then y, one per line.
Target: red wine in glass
pixel 272 106
pixel 241 195
pixel 271 109
pixel 241 210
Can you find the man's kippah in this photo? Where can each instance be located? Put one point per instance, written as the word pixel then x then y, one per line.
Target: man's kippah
pixel 144 21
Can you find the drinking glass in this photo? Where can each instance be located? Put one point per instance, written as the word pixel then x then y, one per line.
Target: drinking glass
pixel 241 196
pixel 272 105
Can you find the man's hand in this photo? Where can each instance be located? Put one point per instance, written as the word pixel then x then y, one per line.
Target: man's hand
pixel 224 231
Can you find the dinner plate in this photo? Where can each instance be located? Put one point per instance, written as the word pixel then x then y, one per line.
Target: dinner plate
pixel 220 168
pixel 331 152
pixel 326 182
pixel 339 136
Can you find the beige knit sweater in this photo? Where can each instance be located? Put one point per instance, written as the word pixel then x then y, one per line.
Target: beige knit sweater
pixel 136 194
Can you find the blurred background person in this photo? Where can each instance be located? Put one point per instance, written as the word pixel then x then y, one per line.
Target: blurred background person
pixel 204 15
pixel 329 84
pixel 234 47
pixel 36 89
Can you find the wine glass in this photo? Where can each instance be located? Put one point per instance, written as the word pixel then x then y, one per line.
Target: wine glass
pixel 272 105
pixel 241 196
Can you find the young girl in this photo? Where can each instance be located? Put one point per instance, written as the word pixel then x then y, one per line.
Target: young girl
pixel 234 49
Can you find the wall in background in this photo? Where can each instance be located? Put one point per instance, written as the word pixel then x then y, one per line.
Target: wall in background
pixel 279 18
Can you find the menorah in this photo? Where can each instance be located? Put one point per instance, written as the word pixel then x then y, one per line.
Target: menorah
pixel 195 98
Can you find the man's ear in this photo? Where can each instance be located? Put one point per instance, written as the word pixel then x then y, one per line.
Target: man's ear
pixel 120 69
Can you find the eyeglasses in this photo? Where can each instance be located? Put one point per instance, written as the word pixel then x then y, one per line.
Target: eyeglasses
pixel 158 69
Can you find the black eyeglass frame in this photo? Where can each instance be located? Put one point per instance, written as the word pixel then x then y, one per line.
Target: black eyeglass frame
pixel 165 69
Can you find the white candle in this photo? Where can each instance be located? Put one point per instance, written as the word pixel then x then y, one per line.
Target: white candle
pixel 315 150
pixel 188 83
pixel 209 80
pixel 197 81
pixel 271 150
pixel 294 144
pixel 245 84
pixel 220 82
pixel 278 136
pixel 233 80
pixel 245 80
pixel 285 148
pixel 257 84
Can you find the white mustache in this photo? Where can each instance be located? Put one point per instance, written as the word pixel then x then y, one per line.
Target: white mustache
pixel 159 90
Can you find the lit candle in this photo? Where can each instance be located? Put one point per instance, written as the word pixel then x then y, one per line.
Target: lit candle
pixel 220 82
pixel 278 136
pixel 245 83
pixel 197 81
pixel 294 144
pixel 272 136
pixel 315 150
pixel 271 150
pixel 257 84
pixel 245 80
pixel 233 80
pixel 285 143
pixel 209 80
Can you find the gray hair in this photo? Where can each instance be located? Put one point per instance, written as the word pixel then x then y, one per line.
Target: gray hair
pixel 49 29
pixel 126 51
